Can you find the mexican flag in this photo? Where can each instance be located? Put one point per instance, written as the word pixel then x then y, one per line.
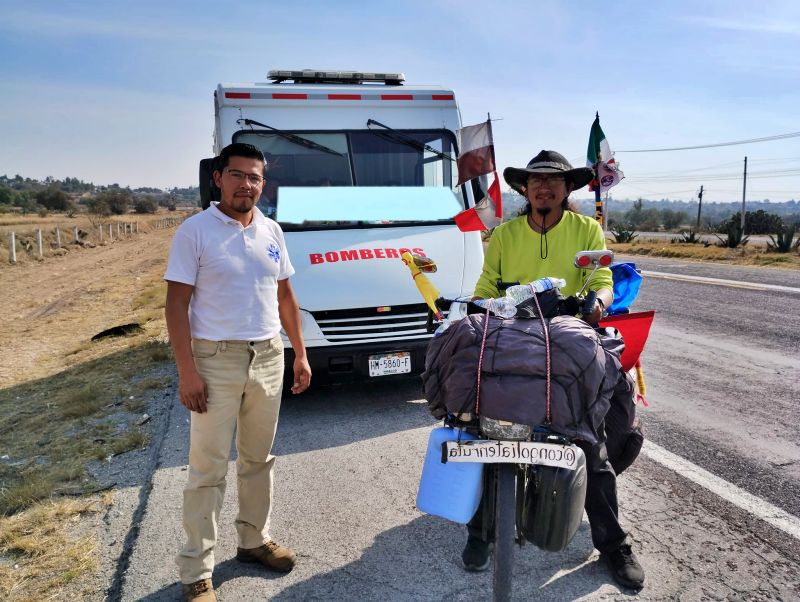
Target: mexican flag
pixel 600 158
pixel 487 212
pixel 476 157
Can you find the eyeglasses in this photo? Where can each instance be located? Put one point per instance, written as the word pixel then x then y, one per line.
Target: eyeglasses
pixel 239 177
pixel 536 181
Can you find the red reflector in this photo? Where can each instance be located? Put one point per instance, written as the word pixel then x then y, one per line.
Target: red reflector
pixel 344 96
pixel 442 97
pixel 397 97
pixel 605 261
pixel 237 94
pixel 383 309
pixel 583 261
pixel 290 96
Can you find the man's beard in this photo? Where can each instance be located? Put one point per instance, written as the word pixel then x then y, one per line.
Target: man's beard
pixel 244 205
pixel 543 211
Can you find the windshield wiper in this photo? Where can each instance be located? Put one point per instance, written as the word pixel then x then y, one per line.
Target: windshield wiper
pixel 396 136
pixel 292 137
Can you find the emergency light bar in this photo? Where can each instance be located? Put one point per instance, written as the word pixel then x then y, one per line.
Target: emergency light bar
pixel 310 76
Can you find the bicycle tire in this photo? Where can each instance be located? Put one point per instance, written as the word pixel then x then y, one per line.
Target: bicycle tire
pixel 505 509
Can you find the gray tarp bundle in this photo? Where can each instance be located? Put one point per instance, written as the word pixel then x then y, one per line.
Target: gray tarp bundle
pixel 585 371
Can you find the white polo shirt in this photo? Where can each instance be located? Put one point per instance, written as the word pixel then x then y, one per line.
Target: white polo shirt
pixel 234 271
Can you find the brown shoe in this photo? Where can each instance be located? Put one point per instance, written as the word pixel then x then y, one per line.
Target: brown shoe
pixel 271 555
pixel 199 591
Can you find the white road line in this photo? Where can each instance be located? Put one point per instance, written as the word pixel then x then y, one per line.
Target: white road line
pixel 721 282
pixel 731 493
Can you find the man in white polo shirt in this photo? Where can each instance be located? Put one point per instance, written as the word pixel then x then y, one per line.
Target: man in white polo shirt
pixel 228 294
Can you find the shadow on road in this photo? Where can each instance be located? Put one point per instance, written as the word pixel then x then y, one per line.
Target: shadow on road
pixel 420 560
pixel 331 416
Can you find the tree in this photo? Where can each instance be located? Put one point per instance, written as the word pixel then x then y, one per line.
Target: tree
pixel 117 199
pixel 672 219
pixel 145 205
pixel 54 198
pixel 6 195
pixel 98 206
pixel 758 222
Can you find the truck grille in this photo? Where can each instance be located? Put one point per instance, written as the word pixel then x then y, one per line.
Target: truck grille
pixel 367 324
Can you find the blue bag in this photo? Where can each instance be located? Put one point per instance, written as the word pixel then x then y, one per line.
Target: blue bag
pixel 627 281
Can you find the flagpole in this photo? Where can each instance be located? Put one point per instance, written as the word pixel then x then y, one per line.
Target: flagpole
pixel 598 201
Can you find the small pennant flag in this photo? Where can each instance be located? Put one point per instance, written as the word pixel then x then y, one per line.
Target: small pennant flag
pixel 600 158
pixel 486 214
pixel 477 152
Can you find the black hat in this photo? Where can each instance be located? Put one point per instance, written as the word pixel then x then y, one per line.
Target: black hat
pixel 548 162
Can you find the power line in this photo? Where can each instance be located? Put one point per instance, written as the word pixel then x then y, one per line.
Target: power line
pixel 734 143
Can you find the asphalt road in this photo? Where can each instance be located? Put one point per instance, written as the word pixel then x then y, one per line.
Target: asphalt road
pixel 723 367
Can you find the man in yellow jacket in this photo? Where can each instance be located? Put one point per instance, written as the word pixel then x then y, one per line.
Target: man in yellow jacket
pixel 543 242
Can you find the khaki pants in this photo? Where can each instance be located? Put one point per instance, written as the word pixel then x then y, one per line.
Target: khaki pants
pixel 244 381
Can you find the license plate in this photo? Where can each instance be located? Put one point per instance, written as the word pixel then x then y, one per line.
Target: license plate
pixel 390 363
pixel 511 452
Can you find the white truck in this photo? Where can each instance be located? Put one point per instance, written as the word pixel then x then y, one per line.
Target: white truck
pixel 360 168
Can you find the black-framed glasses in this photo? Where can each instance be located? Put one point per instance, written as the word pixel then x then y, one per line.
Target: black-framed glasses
pixel 239 177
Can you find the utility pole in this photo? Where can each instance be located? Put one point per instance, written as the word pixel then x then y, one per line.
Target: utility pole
pixel 699 208
pixel 744 189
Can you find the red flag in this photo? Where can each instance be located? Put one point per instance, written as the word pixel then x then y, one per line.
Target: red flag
pixel 486 214
pixel 477 152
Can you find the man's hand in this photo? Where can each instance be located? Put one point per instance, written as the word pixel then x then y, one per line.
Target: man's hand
pixel 193 391
pixel 302 375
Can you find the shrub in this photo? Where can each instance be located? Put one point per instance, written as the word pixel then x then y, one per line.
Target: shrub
pixel 145 205
pixel 687 237
pixel 623 233
pixel 783 242
pixel 735 237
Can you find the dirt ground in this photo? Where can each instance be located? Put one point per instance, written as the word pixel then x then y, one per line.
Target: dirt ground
pixel 52 308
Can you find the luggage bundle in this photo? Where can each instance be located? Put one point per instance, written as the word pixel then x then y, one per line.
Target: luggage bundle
pixel 583 373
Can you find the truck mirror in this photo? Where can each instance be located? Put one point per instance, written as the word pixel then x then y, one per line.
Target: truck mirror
pixel 208 190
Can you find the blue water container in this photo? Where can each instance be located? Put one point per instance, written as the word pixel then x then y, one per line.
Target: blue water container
pixel 452 490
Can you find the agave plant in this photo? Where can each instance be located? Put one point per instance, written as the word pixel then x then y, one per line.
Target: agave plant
pixel 784 242
pixel 623 233
pixel 735 237
pixel 687 236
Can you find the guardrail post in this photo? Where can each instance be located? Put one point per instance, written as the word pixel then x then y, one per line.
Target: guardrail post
pixel 110 232
pixel 58 237
pixel 12 248
pixel 100 230
pixel 39 242
pixel 75 234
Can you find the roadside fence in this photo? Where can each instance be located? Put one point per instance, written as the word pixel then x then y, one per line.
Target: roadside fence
pixel 41 243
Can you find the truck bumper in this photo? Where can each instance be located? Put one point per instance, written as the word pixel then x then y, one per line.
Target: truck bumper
pixel 350 363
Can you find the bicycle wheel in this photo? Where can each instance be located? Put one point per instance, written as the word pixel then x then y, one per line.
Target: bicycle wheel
pixel 505 513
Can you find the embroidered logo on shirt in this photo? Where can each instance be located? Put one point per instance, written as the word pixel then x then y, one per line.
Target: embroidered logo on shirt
pixel 273 252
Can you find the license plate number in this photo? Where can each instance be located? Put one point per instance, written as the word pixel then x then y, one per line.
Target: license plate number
pixel 390 363
pixel 512 452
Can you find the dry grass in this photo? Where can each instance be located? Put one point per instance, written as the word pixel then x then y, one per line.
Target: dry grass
pixel 749 255
pixel 25 228
pixel 38 554
pixel 67 401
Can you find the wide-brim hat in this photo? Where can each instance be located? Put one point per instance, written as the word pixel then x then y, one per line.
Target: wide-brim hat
pixel 547 162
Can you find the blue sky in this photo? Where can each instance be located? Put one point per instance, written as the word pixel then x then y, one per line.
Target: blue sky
pixel 122 91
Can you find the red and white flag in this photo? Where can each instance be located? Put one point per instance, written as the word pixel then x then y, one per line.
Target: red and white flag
pixel 477 159
pixel 477 152
pixel 486 214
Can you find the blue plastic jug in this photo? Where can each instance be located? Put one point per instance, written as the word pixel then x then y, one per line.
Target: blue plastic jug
pixel 452 490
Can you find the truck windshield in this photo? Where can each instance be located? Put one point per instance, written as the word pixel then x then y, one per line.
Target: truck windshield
pixel 369 158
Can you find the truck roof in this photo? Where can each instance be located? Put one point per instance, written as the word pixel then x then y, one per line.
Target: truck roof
pixel 232 94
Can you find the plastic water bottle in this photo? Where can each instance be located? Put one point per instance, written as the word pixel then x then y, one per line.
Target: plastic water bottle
pixel 506 307
pixel 523 292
